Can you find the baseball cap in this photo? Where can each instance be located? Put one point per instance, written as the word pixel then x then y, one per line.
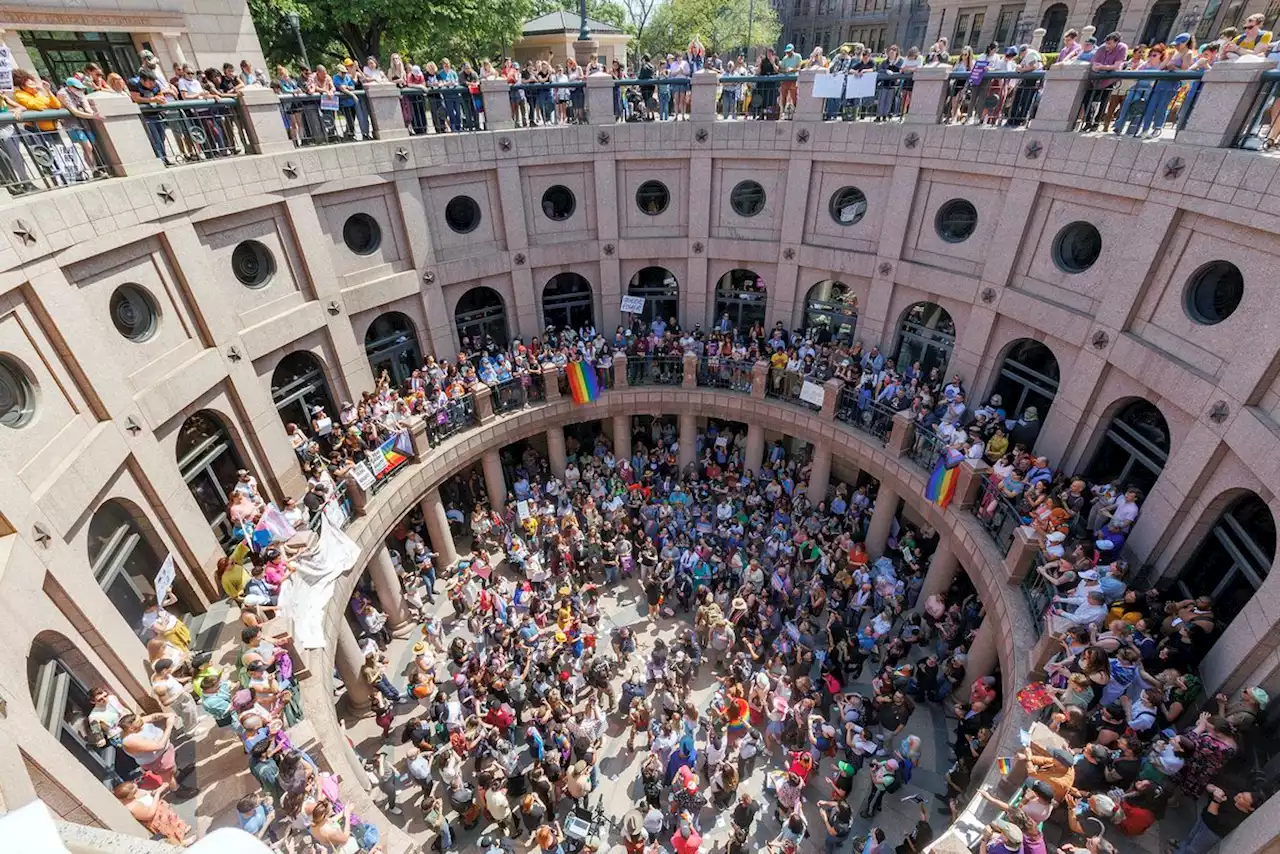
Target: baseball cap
pixel 75 83
pixel 1011 51
pixel 789 47
pixel 1182 38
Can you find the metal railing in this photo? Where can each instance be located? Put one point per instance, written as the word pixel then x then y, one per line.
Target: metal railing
pixel 447 109
pixel 1263 113
pixel 454 417
pixel 998 515
pixel 517 393
pixel 1140 103
pixel 785 385
pixel 997 98
pixel 48 149
pixel 341 499
pixel 760 97
pixel 718 372
pixel 655 370
pixel 319 120
pixel 636 100
pixel 874 419
pixel 549 103
pixel 191 131
pixel 1038 593
pixel 891 100
pixel 926 446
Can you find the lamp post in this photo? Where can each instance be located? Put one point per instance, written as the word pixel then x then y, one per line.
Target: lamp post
pixel 751 17
pixel 297 32
pixel 584 32
pixel 1021 28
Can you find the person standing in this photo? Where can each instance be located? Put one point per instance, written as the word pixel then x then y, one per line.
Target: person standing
pixel 1223 814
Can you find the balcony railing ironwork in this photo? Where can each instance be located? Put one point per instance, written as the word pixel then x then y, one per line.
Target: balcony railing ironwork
pixel 324 120
pixel 193 131
pixel 49 149
pixel 998 515
pixel 454 417
pixel 874 419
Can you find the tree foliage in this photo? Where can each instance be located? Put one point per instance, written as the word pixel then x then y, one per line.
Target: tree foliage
pixel 721 24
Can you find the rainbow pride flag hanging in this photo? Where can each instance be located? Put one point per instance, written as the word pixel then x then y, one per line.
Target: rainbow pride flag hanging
pixel 583 384
pixel 1005 764
pixel 942 483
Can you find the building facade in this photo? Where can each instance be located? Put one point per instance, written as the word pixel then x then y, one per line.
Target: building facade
pixel 160 327
pixel 830 23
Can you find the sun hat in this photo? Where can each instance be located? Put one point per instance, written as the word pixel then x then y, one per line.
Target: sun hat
pixel 1260 695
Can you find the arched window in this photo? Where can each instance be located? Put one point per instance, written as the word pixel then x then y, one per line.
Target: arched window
pixel 741 296
pixel 1106 18
pixel 60 680
pixel 1161 21
pixel 480 315
pixel 831 312
pixel 392 346
pixel 122 560
pixel 210 464
pixel 1054 22
pixel 566 302
pixel 925 335
pixel 1028 378
pixel 1134 449
pixel 661 294
pixel 298 386
pixel 1234 559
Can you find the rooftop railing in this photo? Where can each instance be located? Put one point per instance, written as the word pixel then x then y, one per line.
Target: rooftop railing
pixel 1261 130
pixel 454 417
pixel 192 131
pixel 49 149
pixel 719 372
pixel 1139 103
pixel 874 419
pixel 655 370
pixel 998 515
pixel 926 447
pixel 446 109
pixel 326 119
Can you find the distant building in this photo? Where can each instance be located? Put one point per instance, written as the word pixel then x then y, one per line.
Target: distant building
pixel 551 36
pixel 831 23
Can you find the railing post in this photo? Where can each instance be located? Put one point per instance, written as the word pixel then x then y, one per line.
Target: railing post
pixel 263 121
pixel 383 100
pixel 600 99
pixel 931 84
pixel 901 435
pixel 1063 91
pixel 620 370
pixel 689 370
pixel 1021 555
pixel 484 403
pixel 759 379
pixel 969 485
pixel 551 383
pixel 704 95
pixel 124 137
pixel 831 388
pixel 1227 92
pixel 496 95
pixel 808 108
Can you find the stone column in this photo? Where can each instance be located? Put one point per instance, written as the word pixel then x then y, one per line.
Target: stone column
pixel 704 96
pixel 622 437
pixel 820 472
pixel 620 371
pixel 123 138
pixel 929 89
pixel 759 379
pixel 383 100
pixel 1064 89
pixel 689 371
pixel 808 108
pixel 754 458
pixel 599 99
pixel 551 383
pixel 387 585
pixel 349 659
pixel 831 390
pixel 1227 93
pixel 496 95
pixel 1017 563
pixel 901 435
pixel 495 482
pixel 881 521
pixel 433 513
pixel 556 453
pixel 982 658
pixel 943 567
pixel 173 41
pixel 688 438
pixel 260 111
pixel 484 403
pixel 969 484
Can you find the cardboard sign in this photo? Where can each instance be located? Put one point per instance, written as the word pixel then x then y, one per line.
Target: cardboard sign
pixel 363 475
pixel 633 305
pixel 812 392
pixel 164 579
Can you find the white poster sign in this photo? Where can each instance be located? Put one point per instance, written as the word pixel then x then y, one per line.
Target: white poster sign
pixel 631 304
pixel 829 85
pixel 812 392
pixel 363 475
pixel 860 87
pixel 522 510
pixel 7 64
pixel 164 579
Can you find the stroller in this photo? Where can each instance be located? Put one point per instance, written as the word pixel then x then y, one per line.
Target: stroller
pixel 639 108
pixel 583 829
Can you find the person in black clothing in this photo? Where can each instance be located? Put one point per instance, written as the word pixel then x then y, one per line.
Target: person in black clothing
pixel 647 92
pixel 1223 814
pixel 920 836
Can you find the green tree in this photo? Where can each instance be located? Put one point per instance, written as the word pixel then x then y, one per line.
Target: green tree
pixel 720 24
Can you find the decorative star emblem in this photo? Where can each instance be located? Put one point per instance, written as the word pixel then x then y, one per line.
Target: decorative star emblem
pixel 504 144
pixel 988 295
pixel 1173 167
pixel 428 277
pixel 290 169
pixel 1100 340
pixel 42 535
pixel 911 140
pixel 1033 149
pixel 165 192
pixel 334 307
pixel 603 137
pixel 802 136
pixel 701 135
pixel 402 154
pixel 609 249
pixel 519 259
pixel 24 231
pixel 1219 412
pixel 697 248
pixel 234 353
pixel 885 268
pixel 789 253
pixel 132 426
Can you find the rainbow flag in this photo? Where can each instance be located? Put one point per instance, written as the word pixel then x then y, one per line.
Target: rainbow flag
pixel 1005 764
pixel 941 487
pixel 583 384
pixel 395 452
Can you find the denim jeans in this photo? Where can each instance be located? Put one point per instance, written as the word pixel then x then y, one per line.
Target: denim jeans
pixel 357 114
pixel 453 106
pixel 729 104
pixel 1199 840
pixel 1158 105
pixel 1140 91
pixel 664 103
pixel 387 689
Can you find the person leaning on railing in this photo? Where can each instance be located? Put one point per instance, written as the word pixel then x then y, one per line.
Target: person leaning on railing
pixel 75 100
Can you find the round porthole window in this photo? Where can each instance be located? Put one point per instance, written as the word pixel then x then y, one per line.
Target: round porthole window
pixel 253 264
pixel 747 199
pixel 956 221
pixel 1214 292
pixel 362 234
pixel 848 205
pixel 558 203
pixel 1077 247
pixel 133 312
pixel 462 214
pixel 652 197
pixel 17 396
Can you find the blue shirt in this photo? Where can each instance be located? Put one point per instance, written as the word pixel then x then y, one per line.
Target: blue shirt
pixel 340 79
pixel 254 821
